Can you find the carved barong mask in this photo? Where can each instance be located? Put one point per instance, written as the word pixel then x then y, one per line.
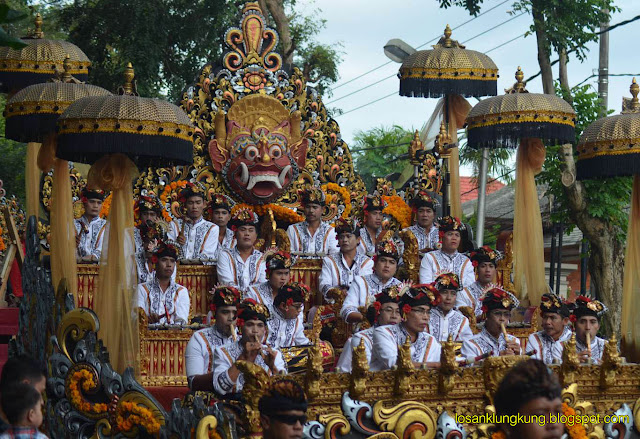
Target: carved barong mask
pixel 258 148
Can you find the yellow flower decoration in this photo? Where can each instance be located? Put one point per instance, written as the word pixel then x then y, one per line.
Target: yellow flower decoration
pixel 106 206
pixel 130 414
pixel 344 194
pixel 398 209
pixel 280 212
pixel 164 196
pixel 83 378
pixel 576 431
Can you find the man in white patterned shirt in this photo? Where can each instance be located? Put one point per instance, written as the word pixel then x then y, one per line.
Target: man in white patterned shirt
pixel 497 305
pixel 484 261
pixel 555 328
pixel 285 327
pixel 340 269
pixel 385 264
pixel 370 234
pixel 448 258
pixel 197 236
pixel 147 210
pixel 220 214
pixel 445 320
pixel 278 270
pixel 243 265
pixel 90 227
pixel 312 236
pixel 425 230
pixel 223 304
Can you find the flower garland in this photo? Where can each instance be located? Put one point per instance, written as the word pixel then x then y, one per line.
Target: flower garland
pixel 398 209
pixel 344 194
pixel 282 213
pixel 499 435
pixel 106 206
pixel 213 434
pixel 3 246
pixel 164 196
pixel 136 415
pixel 87 384
pixel 576 431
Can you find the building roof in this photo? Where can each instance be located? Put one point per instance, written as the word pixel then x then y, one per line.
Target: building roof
pixel 469 187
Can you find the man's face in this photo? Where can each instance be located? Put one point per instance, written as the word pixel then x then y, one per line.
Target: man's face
pixel 195 207
pixel 278 278
pixel 253 330
pixel 312 212
pixel 40 385
pixel 373 219
pixel 92 207
pixel 425 217
pixel 389 314
pixel 246 236
pixel 448 300
pixel 586 324
pixel 542 407
pixel 553 324
pixel 284 425
pixel 225 316
pixel 292 311
pixel 451 241
pixel 418 318
pixel 220 217
pixel 148 215
pixel 486 272
pixel 347 242
pixel 496 318
pixel 385 267
pixel 165 267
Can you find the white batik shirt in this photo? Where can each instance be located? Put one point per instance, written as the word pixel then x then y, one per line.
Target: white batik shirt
pixel 597 348
pixel 199 354
pixel 454 324
pixel 91 236
pixel 470 296
pixel 263 294
pixel 361 289
pixel 344 362
pixel 386 340
pixel 223 359
pixel 172 305
pixel 234 271
pixel 484 342
pixel 335 271
pixel 145 270
pixel 543 344
pixel 323 240
pixel 202 238
pixel 367 245
pixel 436 262
pixel 284 333
pixel 228 242
pixel 425 239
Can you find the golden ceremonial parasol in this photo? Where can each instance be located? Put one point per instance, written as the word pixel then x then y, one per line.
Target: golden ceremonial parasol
pixel 451 71
pixel 31 116
pixel 524 120
pixel 610 147
pixel 115 134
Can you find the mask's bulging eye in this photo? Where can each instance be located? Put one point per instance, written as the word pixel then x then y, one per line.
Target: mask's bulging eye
pixel 275 151
pixel 251 153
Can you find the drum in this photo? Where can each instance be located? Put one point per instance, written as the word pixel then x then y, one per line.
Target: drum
pixel 296 357
pixel 307 271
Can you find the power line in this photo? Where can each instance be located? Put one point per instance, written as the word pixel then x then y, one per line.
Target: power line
pixel 367 148
pixel 494 27
pixel 488 182
pixel 505 43
pixel 369 103
pixel 422 45
pixel 610 74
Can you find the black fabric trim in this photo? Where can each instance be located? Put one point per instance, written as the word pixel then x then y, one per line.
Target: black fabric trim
pixel 15 81
pixel 30 127
pixel 437 88
pixel 607 166
pixel 508 135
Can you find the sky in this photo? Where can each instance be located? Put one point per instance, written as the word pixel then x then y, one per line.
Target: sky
pixel 363 27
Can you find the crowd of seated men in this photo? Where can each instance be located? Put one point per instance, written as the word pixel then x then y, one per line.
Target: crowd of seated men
pixel 255 311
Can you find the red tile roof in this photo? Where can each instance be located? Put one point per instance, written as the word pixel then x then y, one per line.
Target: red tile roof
pixel 469 188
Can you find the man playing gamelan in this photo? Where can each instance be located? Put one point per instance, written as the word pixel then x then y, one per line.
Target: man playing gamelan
pixel 370 234
pixel 497 305
pixel 447 258
pixel 385 264
pixel 285 327
pixel 340 269
pixel 197 236
pixel 385 310
pixel 425 349
pixel 445 320
pixel 555 328
pixel 220 214
pixel 163 300
pixel 150 235
pixel 484 260
pixel 90 227
pixel 312 236
pixel 243 265
pixel 278 271
pixel 252 321
pixel 423 207
pixel 147 210
pixel 223 303
pixel 585 316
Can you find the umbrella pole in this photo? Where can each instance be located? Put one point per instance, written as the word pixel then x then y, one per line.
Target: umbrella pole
pixel 446 196
pixel 484 165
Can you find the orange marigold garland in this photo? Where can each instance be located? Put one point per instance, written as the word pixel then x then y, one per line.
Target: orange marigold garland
pixel 499 435
pixel 164 196
pixel 84 378
pixel 576 431
pixel 3 247
pixel 398 209
pixel 280 212
pixel 130 414
pixel 344 194
pixel 106 207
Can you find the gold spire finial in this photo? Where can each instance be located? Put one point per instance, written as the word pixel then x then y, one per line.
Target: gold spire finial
pixel 37 32
pixel 129 86
pixel 447 36
pixel 635 88
pixel 415 147
pixel 66 65
pixel 519 85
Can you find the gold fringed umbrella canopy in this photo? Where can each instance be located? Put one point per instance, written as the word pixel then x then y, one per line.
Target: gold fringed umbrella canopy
pixel 524 120
pixel 39 61
pixel 115 134
pixel 447 69
pixel 610 147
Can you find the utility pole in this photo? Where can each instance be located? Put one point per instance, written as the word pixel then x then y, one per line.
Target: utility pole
pixel 603 67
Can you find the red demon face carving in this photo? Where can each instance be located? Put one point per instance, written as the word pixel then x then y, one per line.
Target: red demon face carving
pixel 259 151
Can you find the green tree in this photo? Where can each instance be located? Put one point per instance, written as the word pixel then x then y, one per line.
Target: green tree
pixel 380 151
pixel 12 163
pixel 499 163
